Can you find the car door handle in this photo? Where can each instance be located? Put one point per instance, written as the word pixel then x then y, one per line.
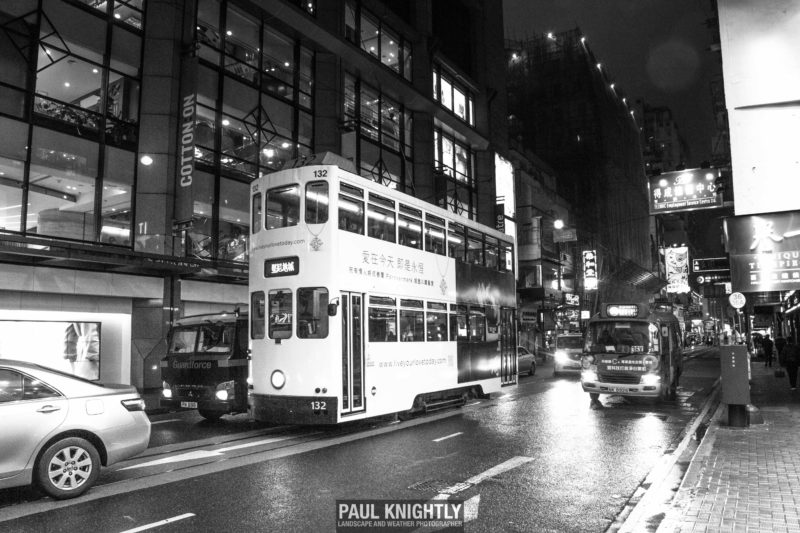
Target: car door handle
pixel 48 409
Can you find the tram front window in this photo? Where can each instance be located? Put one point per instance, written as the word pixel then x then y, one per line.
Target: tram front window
pixel 312 315
pixel 280 314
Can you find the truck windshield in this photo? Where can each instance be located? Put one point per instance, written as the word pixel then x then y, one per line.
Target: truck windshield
pixel 205 338
pixel 622 337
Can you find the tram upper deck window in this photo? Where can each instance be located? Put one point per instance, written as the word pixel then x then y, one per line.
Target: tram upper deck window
pixel 255 224
pixel 435 235
pixel 492 255
pixel 456 241
pixel 436 322
pixel 380 223
pixel 382 319
pixel 351 214
pixel 283 206
pixel 474 247
pixel 409 232
pixel 506 256
pixel 312 313
pixel 280 314
pixel 317 202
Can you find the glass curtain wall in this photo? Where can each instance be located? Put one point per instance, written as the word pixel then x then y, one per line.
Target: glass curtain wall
pixel 67 160
pixel 254 112
pixel 456 164
pixel 377 135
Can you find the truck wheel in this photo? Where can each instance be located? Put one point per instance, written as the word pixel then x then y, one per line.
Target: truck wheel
pixel 209 414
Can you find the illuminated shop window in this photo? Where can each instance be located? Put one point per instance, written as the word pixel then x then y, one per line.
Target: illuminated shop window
pixel 377 39
pixel 453 96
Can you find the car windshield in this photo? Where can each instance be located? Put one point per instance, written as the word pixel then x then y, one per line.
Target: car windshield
pixel 570 342
pixel 621 337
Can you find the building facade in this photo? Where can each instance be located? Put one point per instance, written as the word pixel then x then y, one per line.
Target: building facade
pixel 130 131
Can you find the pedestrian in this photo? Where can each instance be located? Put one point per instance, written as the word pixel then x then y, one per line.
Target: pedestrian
pixel 791 358
pixel 767 345
pixel 780 342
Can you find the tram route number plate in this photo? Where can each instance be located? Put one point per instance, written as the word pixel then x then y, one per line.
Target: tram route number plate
pixel 190 405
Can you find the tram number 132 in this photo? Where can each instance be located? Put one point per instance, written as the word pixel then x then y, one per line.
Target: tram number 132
pixel 319 406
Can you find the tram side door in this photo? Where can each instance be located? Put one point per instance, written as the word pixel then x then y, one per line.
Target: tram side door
pixel 508 346
pixel 352 352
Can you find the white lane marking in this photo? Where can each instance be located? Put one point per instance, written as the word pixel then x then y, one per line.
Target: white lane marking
pixel 474 480
pixel 471 508
pixel 473 403
pixel 159 523
pixel 205 454
pixel 165 421
pixel 440 439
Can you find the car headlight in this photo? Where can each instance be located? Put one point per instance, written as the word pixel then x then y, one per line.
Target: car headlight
pixel 560 356
pixel 589 376
pixel 166 390
pixel 651 379
pixel 278 379
pixel 587 361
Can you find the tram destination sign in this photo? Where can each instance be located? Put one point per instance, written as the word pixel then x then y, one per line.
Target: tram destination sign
pixel 281 266
pixel 684 190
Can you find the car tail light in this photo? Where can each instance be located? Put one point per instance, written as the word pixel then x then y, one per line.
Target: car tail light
pixel 133 405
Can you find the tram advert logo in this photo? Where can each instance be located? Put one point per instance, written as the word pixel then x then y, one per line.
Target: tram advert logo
pixel 399 515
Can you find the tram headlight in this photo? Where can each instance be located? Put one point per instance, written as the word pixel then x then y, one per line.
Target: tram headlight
pixel 560 356
pixel 278 379
pixel 650 362
pixel 166 390
pixel 587 361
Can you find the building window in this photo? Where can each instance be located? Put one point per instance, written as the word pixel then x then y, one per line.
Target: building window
pixel 453 96
pixel 377 39
pixel 377 135
pixel 455 167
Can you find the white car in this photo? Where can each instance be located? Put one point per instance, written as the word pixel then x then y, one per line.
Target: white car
pixel 526 361
pixel 58 429
pixel 567 352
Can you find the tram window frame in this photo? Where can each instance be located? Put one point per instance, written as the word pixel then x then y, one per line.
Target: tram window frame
pixel 458 316
pixel 477 324
pixel 506 256
pixel 435 239
pixel 258 315
pixel 456 249
pixel 435 318
pixel 255 223
pixel 289 214
pixel 491 252
pixel 313 323
pixel 384 227
pixel 285 330
pixel 475 253
pixel 406 235
pixel 317 209
pixel 412 325
pixel 382 309
pixel 351 220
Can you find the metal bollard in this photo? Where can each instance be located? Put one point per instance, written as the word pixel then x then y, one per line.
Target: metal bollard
pixel 735 370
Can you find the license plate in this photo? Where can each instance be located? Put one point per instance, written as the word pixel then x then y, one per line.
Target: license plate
pixel 618 389
pixel 189 405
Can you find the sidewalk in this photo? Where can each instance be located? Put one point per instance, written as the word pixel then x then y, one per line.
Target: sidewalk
pixel 745 479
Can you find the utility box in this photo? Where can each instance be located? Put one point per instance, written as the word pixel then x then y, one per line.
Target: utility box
pixel 735 376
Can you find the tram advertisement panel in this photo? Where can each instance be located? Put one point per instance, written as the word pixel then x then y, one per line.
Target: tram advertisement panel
pixel 480 293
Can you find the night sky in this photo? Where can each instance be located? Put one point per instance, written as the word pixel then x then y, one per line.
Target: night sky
pixel 656 50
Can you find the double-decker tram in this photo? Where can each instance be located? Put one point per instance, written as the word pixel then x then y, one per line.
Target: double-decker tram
pixel 366 301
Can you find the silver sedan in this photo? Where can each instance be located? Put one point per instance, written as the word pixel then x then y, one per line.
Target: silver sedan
pixel 58 429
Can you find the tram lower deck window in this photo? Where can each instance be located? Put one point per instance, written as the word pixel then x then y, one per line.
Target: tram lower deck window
pixel 280 314
pixel 312 313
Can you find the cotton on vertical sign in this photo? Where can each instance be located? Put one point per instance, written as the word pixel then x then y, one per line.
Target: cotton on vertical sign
pixel 677 261
pixel 184 201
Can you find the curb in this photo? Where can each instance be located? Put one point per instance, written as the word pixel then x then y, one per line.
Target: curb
pixel 649 504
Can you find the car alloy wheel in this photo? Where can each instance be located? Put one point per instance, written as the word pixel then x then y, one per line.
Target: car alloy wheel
pixel 68 468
